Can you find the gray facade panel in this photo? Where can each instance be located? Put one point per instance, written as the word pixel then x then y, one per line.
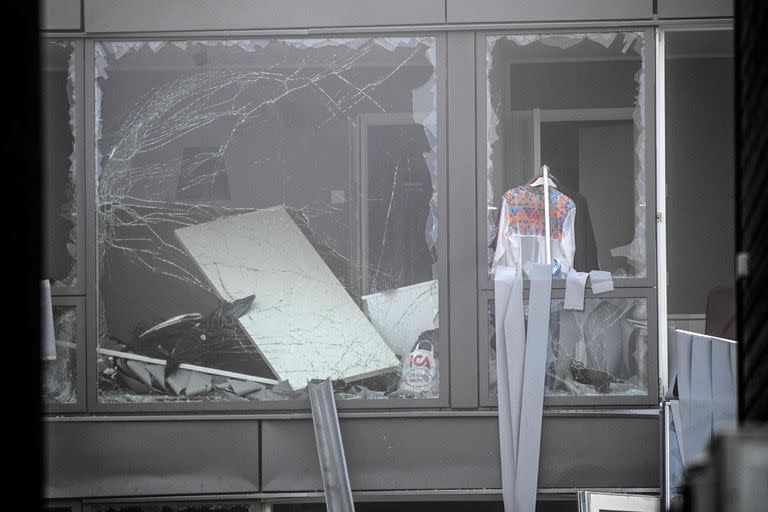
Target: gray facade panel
pixel 461 221
pixel 695 8
pixel 97 459
pixel 60 15
pixel 386 454
pixel 461 11
pixel 172 15
pixel 424 453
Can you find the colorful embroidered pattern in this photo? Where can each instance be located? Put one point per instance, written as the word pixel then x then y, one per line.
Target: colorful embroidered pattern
pixel 525 207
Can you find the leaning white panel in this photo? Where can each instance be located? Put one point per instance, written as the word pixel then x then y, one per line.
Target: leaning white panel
pixel 402 314
pixel 302 321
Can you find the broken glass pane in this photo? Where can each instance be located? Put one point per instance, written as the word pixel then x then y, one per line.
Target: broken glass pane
pixel 59 384
pixel 59 160
pixel 266 214
pixel 602 350
pixel 575 102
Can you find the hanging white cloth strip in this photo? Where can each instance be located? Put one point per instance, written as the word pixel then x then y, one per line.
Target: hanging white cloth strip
pixel 533 387
pixel 575 284
pixel 702 371
pixel 510 350
pixel 48 346
pixel 600 281
pixel 520 362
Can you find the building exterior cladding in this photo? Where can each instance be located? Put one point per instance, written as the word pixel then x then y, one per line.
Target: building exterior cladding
pixel 413 448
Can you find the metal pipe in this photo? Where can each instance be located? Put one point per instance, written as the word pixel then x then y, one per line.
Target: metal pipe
pixel 330 448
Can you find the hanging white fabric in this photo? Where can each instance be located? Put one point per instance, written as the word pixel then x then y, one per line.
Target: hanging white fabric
pixel 48 345
pixel 521 354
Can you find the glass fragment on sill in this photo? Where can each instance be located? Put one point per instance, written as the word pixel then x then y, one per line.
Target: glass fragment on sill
pixel 236 130
pixel 602 351
pixel 59 380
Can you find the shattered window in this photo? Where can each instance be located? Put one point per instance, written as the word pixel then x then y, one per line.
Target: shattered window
pixel 266 215
pixel 59 160
pixel 59 384
pixel 575 102
pixel 602 350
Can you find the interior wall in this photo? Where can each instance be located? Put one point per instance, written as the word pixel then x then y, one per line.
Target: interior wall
pixel 700 179
pixel 605 152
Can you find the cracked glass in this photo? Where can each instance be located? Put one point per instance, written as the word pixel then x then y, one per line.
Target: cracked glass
pixel 59 377
pixel 600 351
pixel 575 102
pixel 57 81
pixel 266 215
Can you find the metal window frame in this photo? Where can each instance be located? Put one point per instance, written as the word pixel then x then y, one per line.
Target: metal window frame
pixel 544 10
pixel 661 175
pixel 78 303
pixel 649 59
pixel 461 227
pixel 61 14
pixel 648 400
pixel 666 488
pixel 444 286
pixel 661 178
pixel 464 308
pixel 694 8
pixel 79 185
pixel 130 15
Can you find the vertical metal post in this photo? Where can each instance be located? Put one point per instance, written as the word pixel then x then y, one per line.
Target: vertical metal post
pixel 661 214
pixel 547 233
pixel 330 449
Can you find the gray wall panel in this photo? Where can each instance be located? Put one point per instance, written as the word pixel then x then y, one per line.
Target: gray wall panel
pixel 459 11
pixel 392 453
pixel 149 15
pixel 461 220
pixel 695 8
pixel 431 453
pixel 60 15
pixel 96 459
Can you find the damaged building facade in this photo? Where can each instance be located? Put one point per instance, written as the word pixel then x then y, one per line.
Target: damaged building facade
pixel 245 196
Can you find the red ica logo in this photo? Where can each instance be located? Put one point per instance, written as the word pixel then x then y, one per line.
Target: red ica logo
pixel 420 360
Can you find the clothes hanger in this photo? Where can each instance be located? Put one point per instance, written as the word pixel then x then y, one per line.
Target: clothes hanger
pixel 538 180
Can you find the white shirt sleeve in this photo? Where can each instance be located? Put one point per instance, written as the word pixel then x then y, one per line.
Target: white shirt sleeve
pixel 569 236
pixel 501 246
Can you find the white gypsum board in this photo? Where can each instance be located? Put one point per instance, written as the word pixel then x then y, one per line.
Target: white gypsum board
pixel 400 315
pixel 302 320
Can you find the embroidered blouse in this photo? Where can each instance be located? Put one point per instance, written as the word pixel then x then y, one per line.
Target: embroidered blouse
pixel 521 236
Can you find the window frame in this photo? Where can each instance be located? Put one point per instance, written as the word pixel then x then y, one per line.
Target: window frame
pixel 81 286
pixel 650 399
pixel 485 282
pixel 94 405
pixel 78 303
